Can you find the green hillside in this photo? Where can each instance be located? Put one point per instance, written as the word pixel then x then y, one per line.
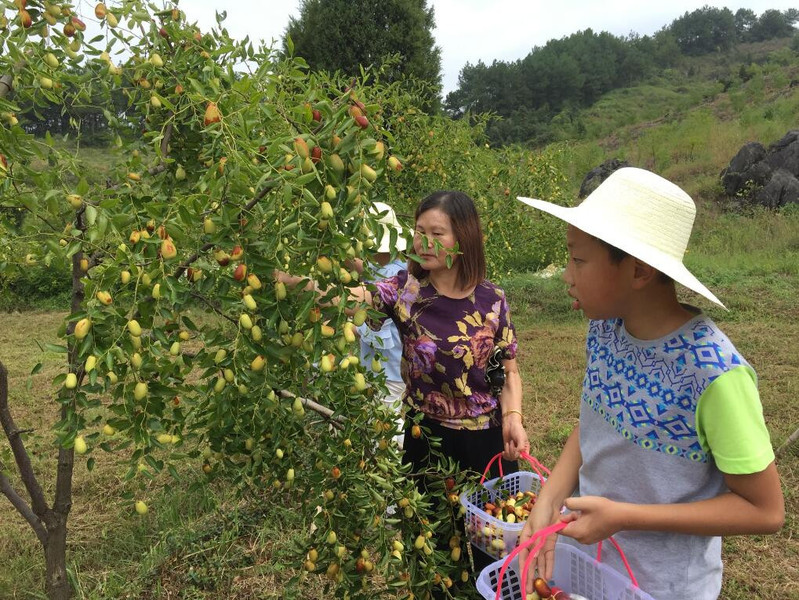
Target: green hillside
pixel 688 122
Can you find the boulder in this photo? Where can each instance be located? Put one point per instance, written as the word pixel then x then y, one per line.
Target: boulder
pixel 739 171
pixel 599 174
pixel 781 189
pixel 765 176
pixel 785 153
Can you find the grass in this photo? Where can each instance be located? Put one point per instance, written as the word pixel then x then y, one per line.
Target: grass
pixel 687 123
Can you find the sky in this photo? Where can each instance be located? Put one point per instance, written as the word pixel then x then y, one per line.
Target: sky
pixel 468 31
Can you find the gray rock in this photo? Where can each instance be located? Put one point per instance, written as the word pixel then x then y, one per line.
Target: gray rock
pixel 782 189
pixel 749 154
pixel 785 153
pixel 599 174
pixel 765 176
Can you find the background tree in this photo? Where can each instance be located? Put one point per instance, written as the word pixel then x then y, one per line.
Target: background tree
pixel 562 75
pixel 773 24
pixel 745 19
pixel 535 97
pixel 704 30
pixel 346 35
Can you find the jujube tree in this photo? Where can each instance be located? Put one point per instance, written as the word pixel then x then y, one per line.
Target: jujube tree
pixel 180 347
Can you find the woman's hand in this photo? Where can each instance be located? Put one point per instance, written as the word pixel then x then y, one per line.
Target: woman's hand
pixel 514 436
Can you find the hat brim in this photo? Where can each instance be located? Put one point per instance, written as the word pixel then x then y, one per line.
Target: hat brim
pixel 385 240
pixel 599 228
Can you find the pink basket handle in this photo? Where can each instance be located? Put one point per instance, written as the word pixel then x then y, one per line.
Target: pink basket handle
pixel 621 554
pixel 543 534
pixel 538 467
pixel 536 464
pixel 488 468
pixel 537 541
pixel 535 550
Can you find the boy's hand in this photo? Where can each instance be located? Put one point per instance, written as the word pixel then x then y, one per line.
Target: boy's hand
pixel 592 519
pixel 544 563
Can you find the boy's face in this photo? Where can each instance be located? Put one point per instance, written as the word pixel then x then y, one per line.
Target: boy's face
pixel 597 285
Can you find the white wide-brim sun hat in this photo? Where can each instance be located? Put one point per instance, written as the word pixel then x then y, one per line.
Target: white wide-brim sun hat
pixel 641 213
pixel 388 219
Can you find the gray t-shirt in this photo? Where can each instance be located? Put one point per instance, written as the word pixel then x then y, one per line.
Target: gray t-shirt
pixel 639 444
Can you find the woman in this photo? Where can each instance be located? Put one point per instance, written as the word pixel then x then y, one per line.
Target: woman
pixel 450 319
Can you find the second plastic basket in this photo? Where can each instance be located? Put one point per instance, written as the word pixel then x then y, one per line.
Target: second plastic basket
pixel 491 535
pixel 575 573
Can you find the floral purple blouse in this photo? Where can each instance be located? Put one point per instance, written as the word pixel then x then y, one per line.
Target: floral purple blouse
pixel 446 344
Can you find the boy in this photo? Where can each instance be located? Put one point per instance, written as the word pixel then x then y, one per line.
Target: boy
pixel 671 451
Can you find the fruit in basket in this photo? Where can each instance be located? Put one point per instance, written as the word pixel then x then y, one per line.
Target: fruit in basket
pixel 542 588
pixel 555 594
pixel 515 508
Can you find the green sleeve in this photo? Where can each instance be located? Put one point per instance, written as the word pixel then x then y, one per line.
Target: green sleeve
pixel 730 425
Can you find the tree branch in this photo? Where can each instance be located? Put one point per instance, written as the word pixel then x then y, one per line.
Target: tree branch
pixel 22 507
pixel 336 421
pixel 39 216
pixel 214 307
pixel 66 456
pixel 186 263
pixel 791 439
pixel 205 247
pixel 5 85
pixel 38 503
pixel 166 140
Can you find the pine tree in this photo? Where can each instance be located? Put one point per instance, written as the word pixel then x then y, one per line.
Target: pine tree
pixel 343 35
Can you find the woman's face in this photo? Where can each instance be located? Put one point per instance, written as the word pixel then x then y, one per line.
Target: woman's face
pixel 433 226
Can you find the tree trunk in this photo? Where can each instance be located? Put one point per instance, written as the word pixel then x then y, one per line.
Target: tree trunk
pixel 49 524
pixel 55 552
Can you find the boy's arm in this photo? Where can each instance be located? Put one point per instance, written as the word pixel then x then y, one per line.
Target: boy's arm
pixel 730 424
pixel 559 485
pixel 753 504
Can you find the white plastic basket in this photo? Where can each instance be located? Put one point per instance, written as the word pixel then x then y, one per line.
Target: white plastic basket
pixel 491 535
pixel 575 572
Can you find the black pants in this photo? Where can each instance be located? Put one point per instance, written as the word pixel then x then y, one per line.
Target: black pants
pixel 472 449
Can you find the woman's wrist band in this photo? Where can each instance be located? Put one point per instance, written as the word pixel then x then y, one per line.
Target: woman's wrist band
pixel 512 411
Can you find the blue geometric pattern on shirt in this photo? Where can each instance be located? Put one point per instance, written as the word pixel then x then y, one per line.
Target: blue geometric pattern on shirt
pixel 649 394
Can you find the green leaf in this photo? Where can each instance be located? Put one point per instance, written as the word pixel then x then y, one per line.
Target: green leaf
pixel 198 87
pixel 91 214
pixel 57 348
